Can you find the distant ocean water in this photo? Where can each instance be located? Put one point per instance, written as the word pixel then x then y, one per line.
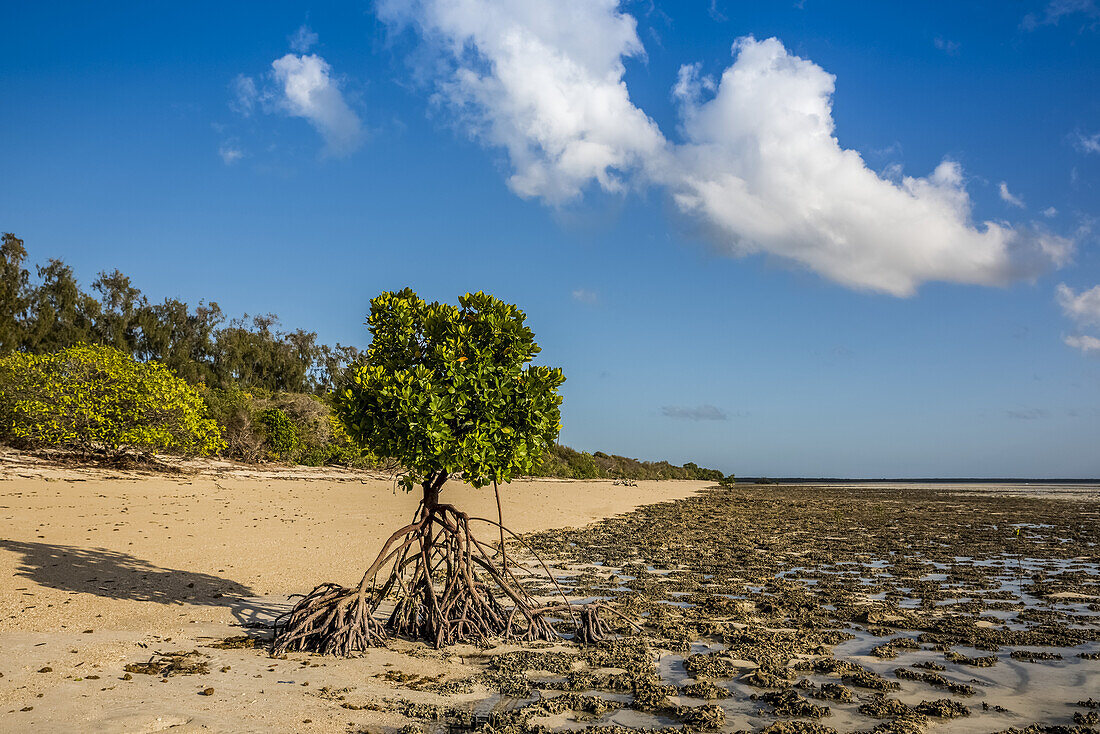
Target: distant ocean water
pixel 1081 491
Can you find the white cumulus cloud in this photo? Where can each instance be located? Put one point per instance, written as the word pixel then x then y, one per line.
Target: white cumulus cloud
pixel 758 166
pixel 308 90
pixel 544 81
pixel 761 166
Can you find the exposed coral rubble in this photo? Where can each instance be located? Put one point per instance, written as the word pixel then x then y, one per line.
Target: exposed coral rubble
pixel 793 609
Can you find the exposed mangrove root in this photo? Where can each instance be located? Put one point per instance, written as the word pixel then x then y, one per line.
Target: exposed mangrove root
pixel 445 586
pixel 591 628
pixel 330 620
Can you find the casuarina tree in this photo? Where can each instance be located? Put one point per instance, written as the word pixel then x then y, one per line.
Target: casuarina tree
pixel 445 391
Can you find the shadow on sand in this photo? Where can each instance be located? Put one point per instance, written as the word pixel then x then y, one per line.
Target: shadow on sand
pixel 116 575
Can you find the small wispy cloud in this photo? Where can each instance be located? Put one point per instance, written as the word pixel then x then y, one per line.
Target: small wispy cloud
pixel 1008 197
pixel 583 295
pixel 1050 212
pixel 1083 309
pixel 951 48
pixel 1083 342
pixel 303 39
pixel 1029 414
pixel 694 413
pixel 300 85
pixel 1056 10
pixel 308 90
pixel 892 172
pixel 1087 143
pixel 230 154
pixel 245 95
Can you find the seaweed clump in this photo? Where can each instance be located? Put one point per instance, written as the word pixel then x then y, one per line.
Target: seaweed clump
pixel 169 664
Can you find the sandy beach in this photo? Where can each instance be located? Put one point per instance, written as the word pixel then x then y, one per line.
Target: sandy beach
pixel 102 568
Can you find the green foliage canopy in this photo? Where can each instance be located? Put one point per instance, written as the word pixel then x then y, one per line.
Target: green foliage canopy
pixel 448 389
pixel 98 398
pixel 54 313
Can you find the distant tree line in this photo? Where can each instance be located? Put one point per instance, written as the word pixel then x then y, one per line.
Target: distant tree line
pixel 565 462
pixel 52 312
pixel 268 390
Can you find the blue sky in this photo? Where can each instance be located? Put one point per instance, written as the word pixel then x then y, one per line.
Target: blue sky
pixel 813 238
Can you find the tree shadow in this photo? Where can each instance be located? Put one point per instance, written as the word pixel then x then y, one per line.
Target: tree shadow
pixel 116 575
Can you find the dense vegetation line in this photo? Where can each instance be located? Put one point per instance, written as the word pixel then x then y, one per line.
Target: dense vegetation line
pixel 268 390
pixel 198 344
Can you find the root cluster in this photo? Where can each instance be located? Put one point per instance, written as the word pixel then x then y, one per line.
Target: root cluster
pixel 591 628
pixel 330 619
pixel 446 585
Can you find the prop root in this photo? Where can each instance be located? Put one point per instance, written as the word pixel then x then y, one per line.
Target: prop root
pixel 446 588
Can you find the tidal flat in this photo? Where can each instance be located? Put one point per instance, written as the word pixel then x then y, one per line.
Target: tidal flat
pixel 761 608
pixel 847 608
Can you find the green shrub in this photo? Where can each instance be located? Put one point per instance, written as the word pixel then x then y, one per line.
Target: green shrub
pixel 336 447
pixel 694 471
pixel 96 398
pixel 311 420
pixel 585 467
pixel 235 411
pixel 282 434
pixel 293 427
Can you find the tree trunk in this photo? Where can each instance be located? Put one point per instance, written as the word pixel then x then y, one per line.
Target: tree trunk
pixel 431 497
pixel 431 487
